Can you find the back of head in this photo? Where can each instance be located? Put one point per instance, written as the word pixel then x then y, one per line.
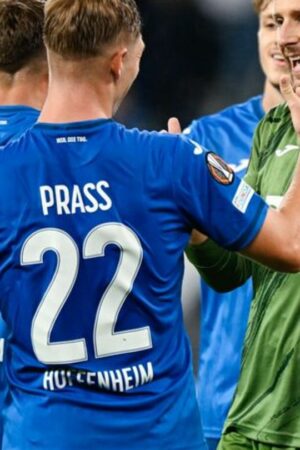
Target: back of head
pixel 77 29
pixel 21 36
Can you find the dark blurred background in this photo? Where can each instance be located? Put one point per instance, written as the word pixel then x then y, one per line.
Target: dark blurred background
pixel 201 55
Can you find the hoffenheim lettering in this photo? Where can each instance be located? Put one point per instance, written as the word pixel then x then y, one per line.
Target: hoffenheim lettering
pixel 119 380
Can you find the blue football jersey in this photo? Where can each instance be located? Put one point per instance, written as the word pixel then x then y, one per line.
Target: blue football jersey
pixel 14 120
pixel 223 316
pixel 94 220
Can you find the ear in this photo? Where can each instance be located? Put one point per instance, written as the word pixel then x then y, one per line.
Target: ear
pixel 117 63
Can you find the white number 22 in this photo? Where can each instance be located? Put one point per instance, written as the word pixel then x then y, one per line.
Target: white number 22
pixel 107 342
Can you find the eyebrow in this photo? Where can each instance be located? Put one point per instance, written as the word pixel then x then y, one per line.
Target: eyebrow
pixel 294 13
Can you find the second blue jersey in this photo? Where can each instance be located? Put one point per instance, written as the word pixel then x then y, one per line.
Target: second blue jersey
pixel 224 316
pixel 94 219
pixel 14 120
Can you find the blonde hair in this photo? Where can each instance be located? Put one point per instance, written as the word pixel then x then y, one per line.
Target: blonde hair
pixel 21 33
pixel 82 28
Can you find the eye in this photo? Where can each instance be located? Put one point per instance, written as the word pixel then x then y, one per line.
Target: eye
pixel 278 21
pixel 270 25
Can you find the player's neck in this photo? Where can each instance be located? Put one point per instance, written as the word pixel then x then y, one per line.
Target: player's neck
pixel 23 88
pixel 69 101
pixel 271 97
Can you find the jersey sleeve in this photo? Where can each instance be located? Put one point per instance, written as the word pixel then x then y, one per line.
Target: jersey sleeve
pixel 195 131
pixel 221 269
pixel 213 198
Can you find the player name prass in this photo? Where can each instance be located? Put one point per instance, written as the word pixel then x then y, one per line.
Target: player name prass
pixel 62 199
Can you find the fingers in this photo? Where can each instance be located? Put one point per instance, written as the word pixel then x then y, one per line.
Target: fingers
pixel 174 126
pixel 292 97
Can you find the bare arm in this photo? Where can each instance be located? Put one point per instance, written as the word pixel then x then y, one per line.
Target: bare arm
pixel 277 244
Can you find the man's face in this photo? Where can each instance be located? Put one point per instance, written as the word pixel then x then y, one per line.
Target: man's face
pixel 272 61
pixel 287 18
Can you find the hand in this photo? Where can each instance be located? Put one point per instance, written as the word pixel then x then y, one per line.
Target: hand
pixel 292 98
pixel 174 126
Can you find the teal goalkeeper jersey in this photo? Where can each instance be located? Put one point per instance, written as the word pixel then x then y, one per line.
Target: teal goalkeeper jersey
pixel 267 402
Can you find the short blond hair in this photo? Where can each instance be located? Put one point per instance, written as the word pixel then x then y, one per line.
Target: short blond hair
pixel 260 5
pixel 82 28
pixel 21 33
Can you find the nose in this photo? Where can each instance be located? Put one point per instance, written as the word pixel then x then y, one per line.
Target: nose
pixel 288 34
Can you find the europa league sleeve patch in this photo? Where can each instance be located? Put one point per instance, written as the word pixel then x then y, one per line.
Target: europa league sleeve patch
pixel 219 170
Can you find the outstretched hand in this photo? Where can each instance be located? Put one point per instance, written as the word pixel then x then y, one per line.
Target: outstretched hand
pixel 292 98
pixel 174 126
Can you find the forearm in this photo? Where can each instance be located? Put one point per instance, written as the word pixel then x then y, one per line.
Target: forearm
pixel 221 269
